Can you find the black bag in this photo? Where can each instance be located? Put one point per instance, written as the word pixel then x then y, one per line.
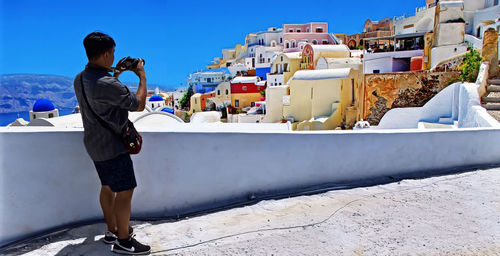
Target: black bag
pixel 132 140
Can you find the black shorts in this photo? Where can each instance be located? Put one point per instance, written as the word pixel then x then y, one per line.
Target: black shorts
pixel 117 173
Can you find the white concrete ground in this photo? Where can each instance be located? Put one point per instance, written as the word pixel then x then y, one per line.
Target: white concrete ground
pixel 448 215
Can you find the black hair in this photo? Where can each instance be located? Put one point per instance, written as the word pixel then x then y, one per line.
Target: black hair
pixel 97 43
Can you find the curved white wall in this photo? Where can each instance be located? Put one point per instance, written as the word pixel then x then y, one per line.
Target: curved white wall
pixel 179 171
pixel 457 102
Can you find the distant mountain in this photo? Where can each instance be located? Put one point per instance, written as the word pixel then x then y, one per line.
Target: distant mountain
pixel 18 92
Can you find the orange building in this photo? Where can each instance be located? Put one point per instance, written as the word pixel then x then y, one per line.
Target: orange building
pixel 204 97
pixel 371 29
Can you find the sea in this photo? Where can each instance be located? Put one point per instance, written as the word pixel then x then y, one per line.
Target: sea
pixel 7 118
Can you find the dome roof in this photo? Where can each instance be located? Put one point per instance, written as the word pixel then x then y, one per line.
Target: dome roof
pixel 168 110
pixel 43 105
pixel 156 97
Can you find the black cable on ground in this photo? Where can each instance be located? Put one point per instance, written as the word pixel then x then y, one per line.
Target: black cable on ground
pixel 307 225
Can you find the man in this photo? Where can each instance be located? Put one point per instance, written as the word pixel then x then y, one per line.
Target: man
pixel 111 101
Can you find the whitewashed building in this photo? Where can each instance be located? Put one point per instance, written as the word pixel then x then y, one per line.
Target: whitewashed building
pixel 43 108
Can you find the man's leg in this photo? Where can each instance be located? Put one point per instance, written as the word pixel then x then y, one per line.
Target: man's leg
pixel 122 212
pixel 107 200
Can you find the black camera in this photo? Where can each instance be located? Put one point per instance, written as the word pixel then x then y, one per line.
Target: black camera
pixel 131 63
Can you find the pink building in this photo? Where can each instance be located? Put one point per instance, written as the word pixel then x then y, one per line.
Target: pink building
pixel 295 36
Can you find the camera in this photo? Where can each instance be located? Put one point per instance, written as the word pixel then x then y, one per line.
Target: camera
pixel 130 63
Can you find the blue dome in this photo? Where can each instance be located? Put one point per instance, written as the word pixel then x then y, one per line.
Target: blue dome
pixel 168 110
pixel 43 105
pixel 156 97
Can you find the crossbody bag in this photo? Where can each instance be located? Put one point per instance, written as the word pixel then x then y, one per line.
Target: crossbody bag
pixel 131 139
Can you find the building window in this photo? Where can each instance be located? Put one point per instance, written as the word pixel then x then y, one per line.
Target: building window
pixel 299 30
pixel 325 41
pixel 51 115
pixel 34 116
pixel 287 45
pixel 268 60
pixel 236 103
pixel 244 88
pixel 319 30
pixel 218 92
pixel 281 58
pixel 227 91
pixel 281 40
pixel 307 30
pixel 314 41
pixel 290 30
pixel 294 44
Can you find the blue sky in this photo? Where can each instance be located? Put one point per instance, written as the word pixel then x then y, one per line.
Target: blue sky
pixel 174 37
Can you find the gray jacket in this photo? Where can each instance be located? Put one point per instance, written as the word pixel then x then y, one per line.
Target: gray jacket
pixel 112 101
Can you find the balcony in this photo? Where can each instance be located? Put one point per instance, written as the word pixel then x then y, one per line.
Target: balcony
pixel 378 33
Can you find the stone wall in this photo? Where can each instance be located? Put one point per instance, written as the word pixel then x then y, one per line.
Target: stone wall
pixel 400 90
pixel 490 51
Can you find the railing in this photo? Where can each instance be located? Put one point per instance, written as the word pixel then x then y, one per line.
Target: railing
pixel 400 17
pixel 423 8
pixel 379 33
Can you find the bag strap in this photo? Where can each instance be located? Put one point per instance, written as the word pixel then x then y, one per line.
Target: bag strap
pixel 101 121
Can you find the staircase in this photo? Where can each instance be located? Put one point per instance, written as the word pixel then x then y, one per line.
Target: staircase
pixel 491 101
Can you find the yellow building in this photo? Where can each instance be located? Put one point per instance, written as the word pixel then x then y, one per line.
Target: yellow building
pixel 321 99
pixel 283 68
pixel 228 57
pixel 245 91
pixel 223 94
pixel 195 103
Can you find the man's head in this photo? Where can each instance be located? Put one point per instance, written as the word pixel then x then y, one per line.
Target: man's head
pixel 100 48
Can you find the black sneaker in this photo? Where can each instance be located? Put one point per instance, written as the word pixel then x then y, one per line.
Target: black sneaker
pixel 130 246
pixel 110 237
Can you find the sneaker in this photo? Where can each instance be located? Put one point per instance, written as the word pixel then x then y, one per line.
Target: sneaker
pixel 130 246
pixel 110 237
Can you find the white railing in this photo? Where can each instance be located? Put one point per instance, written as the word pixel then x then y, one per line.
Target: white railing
pixel 473 41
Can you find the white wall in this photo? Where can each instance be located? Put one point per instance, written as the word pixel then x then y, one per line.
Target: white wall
pixel 450 34
pixel 274 103
pixel 423 21
pixel 383 64
pixel 473 41
pixel 491 13
pixel 458 102
pixel 275 80
pixel 244 118
pixel 383 60
pixel 38 194
pixel 445 52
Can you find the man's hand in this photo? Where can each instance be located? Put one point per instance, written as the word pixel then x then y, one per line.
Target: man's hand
pixel 139 70
pixel 119 68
